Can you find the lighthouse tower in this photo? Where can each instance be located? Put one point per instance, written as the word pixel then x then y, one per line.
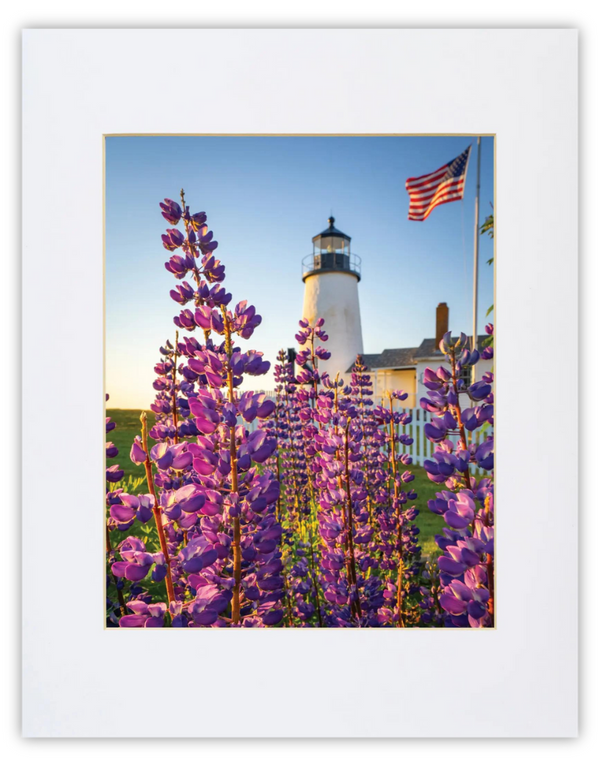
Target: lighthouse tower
pixel 331 274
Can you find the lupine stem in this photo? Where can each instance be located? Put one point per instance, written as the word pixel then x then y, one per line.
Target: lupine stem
pixel 314 576
pixel 350 529
pixel 315 579
pixel 198 301
pixel 365 453
pixel 278 514
pixel 156 510
pixel 461 427
pixel 287 599
pixel 237 534
pixel 489 561
pixel 174 400
pixel 458 416
pixel 295 521
pixel 311 489
pixel 397 509
pixel 314 364
pixel 293 471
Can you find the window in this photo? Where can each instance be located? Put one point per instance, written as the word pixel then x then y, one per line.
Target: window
pixel 466 374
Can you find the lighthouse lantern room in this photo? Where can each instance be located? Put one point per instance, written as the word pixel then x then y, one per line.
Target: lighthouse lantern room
pixel 331 274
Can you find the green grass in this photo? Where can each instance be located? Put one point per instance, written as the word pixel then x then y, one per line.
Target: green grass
pixel 128 427
pixel 429 523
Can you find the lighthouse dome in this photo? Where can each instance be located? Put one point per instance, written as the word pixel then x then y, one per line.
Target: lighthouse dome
pixel 330 233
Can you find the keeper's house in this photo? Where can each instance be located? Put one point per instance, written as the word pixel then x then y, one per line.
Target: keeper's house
pixel 402 368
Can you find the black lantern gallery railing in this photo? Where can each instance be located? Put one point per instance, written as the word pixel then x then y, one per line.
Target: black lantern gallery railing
pixel 319 262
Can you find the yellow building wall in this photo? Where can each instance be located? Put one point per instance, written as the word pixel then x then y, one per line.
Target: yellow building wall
pixel 396 379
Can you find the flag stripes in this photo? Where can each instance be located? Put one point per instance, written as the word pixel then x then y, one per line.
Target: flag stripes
pixel 446 184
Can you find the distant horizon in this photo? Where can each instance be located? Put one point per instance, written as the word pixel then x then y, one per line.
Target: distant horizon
pixel 266 197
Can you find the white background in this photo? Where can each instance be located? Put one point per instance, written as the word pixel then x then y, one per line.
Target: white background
pixel 435 685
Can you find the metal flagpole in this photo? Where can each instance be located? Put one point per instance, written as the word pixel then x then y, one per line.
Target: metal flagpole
pixel 476 251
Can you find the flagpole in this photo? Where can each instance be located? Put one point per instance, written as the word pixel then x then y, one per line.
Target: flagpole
pixel 476 250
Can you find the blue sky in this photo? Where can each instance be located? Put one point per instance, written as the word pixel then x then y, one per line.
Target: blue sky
pixel 266 197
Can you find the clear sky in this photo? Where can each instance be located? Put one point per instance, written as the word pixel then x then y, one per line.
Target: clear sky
pixel 265 199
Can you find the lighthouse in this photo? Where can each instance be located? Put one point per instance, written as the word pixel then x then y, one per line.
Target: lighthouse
pixel 331 274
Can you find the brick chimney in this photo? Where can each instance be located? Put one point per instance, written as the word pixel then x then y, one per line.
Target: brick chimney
pixel 441 322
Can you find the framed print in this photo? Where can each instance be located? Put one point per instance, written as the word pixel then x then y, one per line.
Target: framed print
pixel 299 330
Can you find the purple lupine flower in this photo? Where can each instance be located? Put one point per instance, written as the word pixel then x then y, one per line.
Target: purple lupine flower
pixel 436 430
pixel 114 473
pixel 171 211
pixel 173 239
pixel 137 455
pixel 479 390
pixel 485 455
pixel 144 614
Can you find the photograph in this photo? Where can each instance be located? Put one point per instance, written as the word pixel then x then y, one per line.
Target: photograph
pixel 299 381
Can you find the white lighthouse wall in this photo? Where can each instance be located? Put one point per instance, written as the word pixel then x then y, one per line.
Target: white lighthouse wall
pixel 334 297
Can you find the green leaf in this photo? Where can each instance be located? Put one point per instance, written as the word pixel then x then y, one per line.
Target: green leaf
pixel 488 226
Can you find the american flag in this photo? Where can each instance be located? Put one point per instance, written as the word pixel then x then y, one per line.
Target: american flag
pixel 446 184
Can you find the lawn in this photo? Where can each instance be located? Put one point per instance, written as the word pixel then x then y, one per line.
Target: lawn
pixel 128 426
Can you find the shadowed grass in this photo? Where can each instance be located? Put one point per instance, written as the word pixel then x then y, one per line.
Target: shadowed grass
pixel 429 523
